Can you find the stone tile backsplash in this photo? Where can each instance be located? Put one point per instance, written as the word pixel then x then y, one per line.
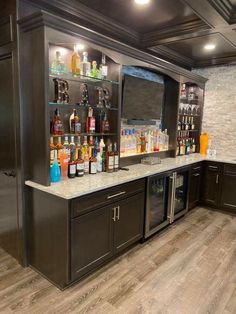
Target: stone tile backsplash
pixel 219 114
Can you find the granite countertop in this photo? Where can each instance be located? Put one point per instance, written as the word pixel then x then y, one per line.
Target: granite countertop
pixel 71 188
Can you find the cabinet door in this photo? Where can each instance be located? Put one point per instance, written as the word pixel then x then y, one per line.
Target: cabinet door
pixel 211 184
pixel 128 225
pixel 91 241
pixel 228 197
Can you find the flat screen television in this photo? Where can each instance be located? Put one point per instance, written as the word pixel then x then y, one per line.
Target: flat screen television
pixel 142 99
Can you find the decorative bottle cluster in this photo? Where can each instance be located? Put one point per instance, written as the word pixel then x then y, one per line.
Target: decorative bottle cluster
pixel 99 125
pixel 185 144
pixel 80 65
pixel 145 140
pixel 74 158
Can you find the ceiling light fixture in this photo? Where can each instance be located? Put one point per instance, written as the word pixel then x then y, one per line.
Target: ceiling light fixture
pixel 142 1
pixel 209 47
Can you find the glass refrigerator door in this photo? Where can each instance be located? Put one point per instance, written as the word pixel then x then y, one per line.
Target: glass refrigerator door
pixel 181 192
pixel 156 203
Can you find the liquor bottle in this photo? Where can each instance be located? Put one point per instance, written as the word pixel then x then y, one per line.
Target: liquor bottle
pixel 75 125
pixel 93 163
pixel 105 127
pixel 53 151
pixel 59 148
pixel 186 124
pixel 67 147
pixel 75 62
pixel 99 162
pixel 85 96
pixel 58 66
pixel 55 173
pixel 71 169
pixel 85 147
pixel 90 146
pixel 116 157
pixel 109 159
pixel 57 125
pixel 80 165
pixel 187 147
pixel 183 92
pixel 86 163
pixel 179 126
pixel 94 71
pixel 96 145
pixel 72 149
pixel 86 65
pixel 183 124
pixel 178 147
pixel 143 142
pixel 192 124
pixel 90 124
pixel 101 146
pixel 103 68
pixel 193 146
pixel 191 95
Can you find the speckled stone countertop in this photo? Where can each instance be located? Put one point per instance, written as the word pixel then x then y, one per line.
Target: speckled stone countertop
pixel 76 187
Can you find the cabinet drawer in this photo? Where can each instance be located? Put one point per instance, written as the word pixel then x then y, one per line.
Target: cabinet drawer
pixel 213 166
pixel 230 169
pixel 196 168
pixel 81 205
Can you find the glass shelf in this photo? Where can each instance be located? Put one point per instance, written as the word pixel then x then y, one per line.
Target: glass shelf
pixel 85 134
pixel 141 154
pixel 80 78
pixel 82 107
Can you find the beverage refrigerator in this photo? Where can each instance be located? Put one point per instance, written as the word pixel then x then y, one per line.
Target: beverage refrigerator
pixel 167 197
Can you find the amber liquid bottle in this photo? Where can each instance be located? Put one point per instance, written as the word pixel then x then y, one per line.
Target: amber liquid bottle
pixel 57 125
pixel 75 125
pixel 75 63
pixel 105 127
pixel 109 159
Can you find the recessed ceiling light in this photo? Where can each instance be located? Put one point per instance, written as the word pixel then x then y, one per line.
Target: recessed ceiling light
pixel 142 1
pixel 209 47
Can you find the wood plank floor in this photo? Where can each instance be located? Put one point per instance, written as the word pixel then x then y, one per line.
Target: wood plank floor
pixel 189 268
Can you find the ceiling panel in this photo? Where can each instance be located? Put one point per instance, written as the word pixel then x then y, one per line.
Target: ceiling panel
pixel 194 47
pixel 157 15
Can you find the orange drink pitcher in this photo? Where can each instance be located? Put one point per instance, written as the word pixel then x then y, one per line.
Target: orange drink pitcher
pixel 203 143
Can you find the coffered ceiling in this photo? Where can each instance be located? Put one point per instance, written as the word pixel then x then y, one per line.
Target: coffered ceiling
pixel 176 30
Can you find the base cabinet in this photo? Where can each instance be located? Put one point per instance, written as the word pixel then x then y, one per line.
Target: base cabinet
pixel 211 183
pixel 228 195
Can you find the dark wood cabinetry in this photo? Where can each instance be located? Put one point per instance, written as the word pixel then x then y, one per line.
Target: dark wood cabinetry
pixel 228 194
pixel 211 183
pixel 194 185
pixel 100 234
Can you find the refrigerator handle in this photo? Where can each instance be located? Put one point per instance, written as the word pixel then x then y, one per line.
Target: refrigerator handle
pixel 170 198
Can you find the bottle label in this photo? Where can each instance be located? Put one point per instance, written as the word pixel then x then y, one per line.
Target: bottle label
pixel 80 166
pixel 110 162
pixel 104 70
pixel 53 154
pixel 76 127
pixel 58 128
pixel 86 166
pixel 72 169
pixel 116 162
pixel 93 167
pixel 92 125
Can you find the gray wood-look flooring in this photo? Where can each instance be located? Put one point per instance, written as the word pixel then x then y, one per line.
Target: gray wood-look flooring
pixel 189 268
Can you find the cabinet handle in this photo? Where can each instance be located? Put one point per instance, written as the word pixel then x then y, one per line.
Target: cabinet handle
pixel 114 213
pixel 196 168
pixel 115 195
pixel 196 174
pixel 213 167
pixel 118 213
pixel 217 179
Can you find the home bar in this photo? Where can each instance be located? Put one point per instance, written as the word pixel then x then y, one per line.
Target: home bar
pixel 118 155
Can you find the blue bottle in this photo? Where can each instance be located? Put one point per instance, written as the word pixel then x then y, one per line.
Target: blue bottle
pixel 55 172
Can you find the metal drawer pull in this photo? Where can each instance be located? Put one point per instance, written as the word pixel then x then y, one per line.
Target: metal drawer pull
pixel 114 214
pixel 196 174
pixel 213 167
pixel 115 195
pixel 118 213
pixel 196 168
pixel 217 179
